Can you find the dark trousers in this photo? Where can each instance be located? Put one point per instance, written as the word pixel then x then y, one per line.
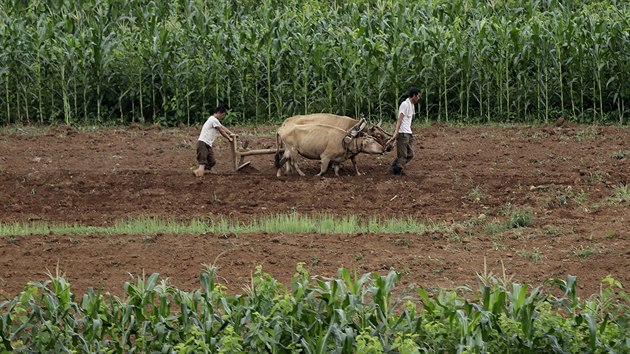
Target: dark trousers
pixel 404 152
pixel 205 156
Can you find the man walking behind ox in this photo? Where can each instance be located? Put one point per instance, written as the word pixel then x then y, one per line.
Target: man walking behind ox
pixel 402 133
pixel 205 156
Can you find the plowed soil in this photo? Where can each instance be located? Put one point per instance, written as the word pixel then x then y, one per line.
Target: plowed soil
pixel 463 180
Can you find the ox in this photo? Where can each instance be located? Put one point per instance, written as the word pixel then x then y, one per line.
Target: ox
pixel 323 142
pixel 343 122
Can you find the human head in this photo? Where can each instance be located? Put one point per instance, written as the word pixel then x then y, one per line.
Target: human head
pixel 220 112
pixel 413 94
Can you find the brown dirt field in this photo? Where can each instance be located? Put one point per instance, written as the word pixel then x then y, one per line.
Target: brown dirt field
pixel 462 177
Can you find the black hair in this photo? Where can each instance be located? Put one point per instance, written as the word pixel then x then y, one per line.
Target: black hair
pixel 221 109
pixel 413 91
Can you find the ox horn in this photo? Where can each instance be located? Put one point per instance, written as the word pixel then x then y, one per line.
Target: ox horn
pixel 362 124
pixel 357 128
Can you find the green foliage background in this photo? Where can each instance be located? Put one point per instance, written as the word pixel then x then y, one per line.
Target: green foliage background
pixel 172 62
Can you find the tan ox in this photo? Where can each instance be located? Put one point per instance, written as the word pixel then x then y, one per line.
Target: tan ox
pixel 323 142
pixel 343 122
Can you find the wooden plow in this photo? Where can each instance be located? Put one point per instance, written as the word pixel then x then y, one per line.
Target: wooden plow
pixel 239 153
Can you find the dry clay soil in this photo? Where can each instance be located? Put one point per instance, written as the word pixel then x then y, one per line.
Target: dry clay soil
pixel 463 183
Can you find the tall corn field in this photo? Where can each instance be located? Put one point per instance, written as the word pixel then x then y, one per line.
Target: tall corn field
pixel 171 62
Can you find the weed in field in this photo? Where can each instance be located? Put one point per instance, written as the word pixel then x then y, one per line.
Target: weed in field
pixel 534 255
pixel 580 197
pixel 562 199
pixel 621 193
pixel 475 194
pixel 359 256
pixel 586 133
pixel 498 243
pixel 12 240
pixel 552 230
pixel 610 234
pixel 516 234
pixel 454 236
pixel 519 218
pixel 494 228
pixel 215 199
pixel 595 177
pixel 621 154
pixel 582 252
pixel 565 197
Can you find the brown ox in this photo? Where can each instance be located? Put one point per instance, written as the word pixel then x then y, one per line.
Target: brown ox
pixel 323 142
pixel 343 122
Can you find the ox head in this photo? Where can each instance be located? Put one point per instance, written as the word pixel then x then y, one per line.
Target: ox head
pixel 380 135
pixel 369 145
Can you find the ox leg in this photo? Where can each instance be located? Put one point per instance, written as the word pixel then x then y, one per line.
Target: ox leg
pixel 293 154
pixel 286 157
pixel 289 166
pixel 325 163
pixel 354 164
pixel 336 167
pixel 297 168
pixel 279 172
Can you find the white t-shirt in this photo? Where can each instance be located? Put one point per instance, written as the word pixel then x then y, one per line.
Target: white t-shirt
pixel 209 131
pixel 408 110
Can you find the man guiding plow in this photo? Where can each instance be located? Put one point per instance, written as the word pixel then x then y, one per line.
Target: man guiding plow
pixel 205 155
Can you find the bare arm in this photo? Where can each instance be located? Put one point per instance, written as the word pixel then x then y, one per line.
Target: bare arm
pixel 225 132
pixel 398 123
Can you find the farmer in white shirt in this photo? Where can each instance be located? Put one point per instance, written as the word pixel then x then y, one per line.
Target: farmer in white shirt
pixel 402 133
pixel 205 156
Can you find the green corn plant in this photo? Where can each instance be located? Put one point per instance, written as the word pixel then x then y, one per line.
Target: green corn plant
pixel 317 315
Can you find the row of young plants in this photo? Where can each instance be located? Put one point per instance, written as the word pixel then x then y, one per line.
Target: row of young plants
pixel 171 62
pixel 322 223
pixel 344 314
